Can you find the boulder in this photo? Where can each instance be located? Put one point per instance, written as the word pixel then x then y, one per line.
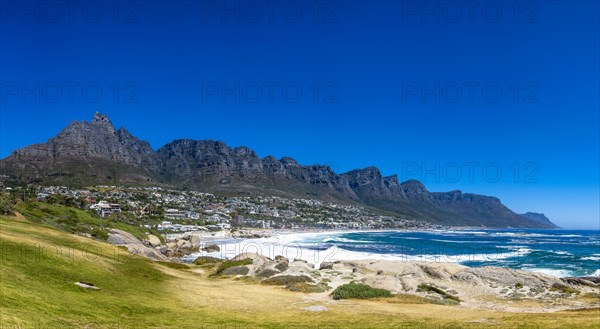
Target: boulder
pixel 154 240
pixel 579 281
pixel 211 248
pixel 122 238
pixel 384 282
pixel 186 245
pixel 134 246
pixel 326 266
pixel 504 277
pixel 257 259
pixel 195 240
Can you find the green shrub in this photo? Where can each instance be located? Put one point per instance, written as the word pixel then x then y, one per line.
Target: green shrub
pixel 282 267
pixel 309 288
pixel 203 260
pixel 358 291
pixel 236 270
pixel 285 280
pixel 301 283
pixel 518 285
pixel 230 263
pixel 266 273
pixel 7 204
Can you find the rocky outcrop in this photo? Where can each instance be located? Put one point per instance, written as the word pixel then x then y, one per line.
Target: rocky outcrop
pixel 134 245
pixel 95 152
pixel 445 283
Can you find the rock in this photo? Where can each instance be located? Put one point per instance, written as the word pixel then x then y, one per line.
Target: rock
pixel 171 245
pixel 257 259
pixel 594 279
pixel 504 277
pixel 163 249
pixel 384 282
pixel 134 246
pixel 282 266
pixel 211 248
pixel 186 245
pixel 122 238
pixel 316 308
pixel 195 240
pixel 86 285
pixel 435 272
pixel 180 243
pixel 154 240
pixel 380 272
pixel 147 252
pixel 578 281
pixel 326 266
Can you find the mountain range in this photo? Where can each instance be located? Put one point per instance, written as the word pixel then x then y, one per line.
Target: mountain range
pixel 92 153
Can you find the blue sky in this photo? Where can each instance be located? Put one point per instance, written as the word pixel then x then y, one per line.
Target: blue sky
pixel 491 98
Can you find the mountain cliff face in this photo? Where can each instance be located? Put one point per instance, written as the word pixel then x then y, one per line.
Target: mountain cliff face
pixel 96 153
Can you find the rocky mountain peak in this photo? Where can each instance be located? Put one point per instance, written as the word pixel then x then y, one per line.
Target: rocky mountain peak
pixel 101 119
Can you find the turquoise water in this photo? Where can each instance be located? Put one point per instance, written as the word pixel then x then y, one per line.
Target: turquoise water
pixel 557 252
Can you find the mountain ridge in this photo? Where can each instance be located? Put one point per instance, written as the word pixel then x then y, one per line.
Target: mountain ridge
pixel 96 152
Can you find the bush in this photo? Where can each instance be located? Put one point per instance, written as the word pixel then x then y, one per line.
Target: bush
pixel 203 260
pixel 301 283
pixel 285 280
pixel 282 267
pixel 229 263
pixel 266 273
pixel 7 204
pixel 236 270
pixel 358 291
pixel 518 285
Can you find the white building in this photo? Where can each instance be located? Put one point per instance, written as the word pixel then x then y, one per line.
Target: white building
pixel 106 209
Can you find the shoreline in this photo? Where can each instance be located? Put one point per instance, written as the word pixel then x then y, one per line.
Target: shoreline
pixel 284 242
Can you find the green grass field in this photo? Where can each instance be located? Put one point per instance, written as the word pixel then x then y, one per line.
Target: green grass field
pixel 40 264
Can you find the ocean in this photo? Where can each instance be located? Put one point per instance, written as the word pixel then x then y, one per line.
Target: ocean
pixel 557 252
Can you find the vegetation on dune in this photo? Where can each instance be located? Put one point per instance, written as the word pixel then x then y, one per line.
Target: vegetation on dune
pixel 358 291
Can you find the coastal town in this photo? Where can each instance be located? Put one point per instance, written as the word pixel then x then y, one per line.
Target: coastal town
pixel 171 211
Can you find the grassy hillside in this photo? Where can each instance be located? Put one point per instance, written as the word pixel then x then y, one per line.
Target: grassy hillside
pixel 74 220
pixel 40 264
